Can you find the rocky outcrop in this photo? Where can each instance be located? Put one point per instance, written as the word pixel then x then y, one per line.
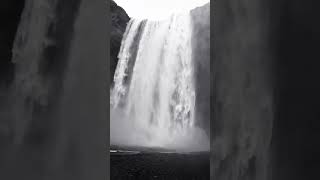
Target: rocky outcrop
pixel 119 20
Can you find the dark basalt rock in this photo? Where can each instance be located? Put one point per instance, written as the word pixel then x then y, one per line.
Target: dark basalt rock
pixel 10 12
pixel 119 20
pixel 200 19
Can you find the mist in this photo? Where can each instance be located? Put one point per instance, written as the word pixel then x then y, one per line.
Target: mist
pixel 157 99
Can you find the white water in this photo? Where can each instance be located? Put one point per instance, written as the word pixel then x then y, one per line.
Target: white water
pixel 153 103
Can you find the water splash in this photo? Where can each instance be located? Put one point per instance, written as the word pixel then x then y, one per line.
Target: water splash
pixel 153 97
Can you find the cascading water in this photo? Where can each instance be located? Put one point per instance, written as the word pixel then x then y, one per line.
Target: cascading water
pixel 153 95
pixel 57 107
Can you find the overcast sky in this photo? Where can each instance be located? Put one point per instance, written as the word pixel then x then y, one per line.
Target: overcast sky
pixel 157 9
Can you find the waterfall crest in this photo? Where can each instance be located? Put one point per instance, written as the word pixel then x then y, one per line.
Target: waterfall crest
pixel 153 96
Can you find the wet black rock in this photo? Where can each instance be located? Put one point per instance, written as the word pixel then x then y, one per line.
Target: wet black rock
pixel 119 20
pixel 200 18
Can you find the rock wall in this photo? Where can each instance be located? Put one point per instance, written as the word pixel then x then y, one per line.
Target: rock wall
pixel 296 37
pixel 200 18
pixel 10 17
pixel 242 91
pixel 119 20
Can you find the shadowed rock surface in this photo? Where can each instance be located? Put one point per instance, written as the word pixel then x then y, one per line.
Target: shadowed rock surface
pixel 296 38
pixel 10 13
pixel 200 19
pixel 244 33
pixel 119 20
pixel 242 91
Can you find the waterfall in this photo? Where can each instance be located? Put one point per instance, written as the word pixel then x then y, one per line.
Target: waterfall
pixel 31 89
pixel 57 101
pixel 41 56
pixel 153 95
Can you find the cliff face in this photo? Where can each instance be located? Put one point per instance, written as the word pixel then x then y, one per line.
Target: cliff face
pixel 11 11
pixel 10 16
pixel 242 91
pixel 119 20
pixel 200 19
pixel 295 135
pixel 243 31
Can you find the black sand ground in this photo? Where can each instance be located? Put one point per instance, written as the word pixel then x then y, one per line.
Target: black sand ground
pixel 159 166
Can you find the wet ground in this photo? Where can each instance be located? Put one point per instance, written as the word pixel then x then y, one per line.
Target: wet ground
pixel 149 165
